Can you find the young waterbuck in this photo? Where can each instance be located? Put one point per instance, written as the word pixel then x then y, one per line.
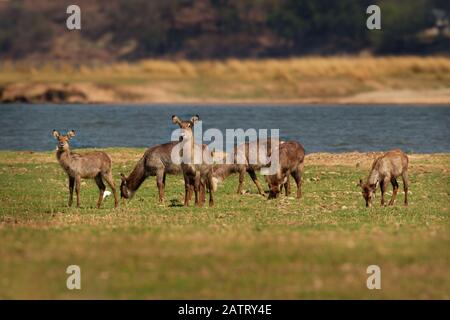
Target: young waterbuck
pixel 386 169
pixel 93 165
pixel 156 161
pixel 197 174
pixel 237 165
pixel 291 162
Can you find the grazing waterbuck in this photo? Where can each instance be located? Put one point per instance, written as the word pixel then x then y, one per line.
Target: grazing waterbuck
pixel 239 162
pixel 156 161
pixel 196 163
pixel 93 165
pixel 386 168
pixel 291 162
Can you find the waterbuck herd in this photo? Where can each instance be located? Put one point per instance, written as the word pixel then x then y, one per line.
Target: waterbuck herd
pixel 203 177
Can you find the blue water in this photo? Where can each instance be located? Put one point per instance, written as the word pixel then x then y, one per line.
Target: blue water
pixel 318 128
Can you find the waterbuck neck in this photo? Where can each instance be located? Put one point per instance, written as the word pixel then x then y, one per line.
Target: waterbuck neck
pixel 373 176
pixel 188 145
pixel 64 157
pixel 136 177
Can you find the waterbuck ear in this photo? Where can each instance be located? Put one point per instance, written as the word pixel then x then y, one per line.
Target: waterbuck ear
pixel 71 134
pixel 175 120
pixel 195 118
pixel 55 133
pixel 122 176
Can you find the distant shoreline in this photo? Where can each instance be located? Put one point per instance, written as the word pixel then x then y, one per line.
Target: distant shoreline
pixel 399 80
pixel 253 104
pixel 310 102
pixel 96 94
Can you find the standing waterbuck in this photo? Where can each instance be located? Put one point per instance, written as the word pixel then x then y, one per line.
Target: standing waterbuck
pixel 291 162
pixel 386 169
pixel 93 165
pixel 156 161
pixel 196 163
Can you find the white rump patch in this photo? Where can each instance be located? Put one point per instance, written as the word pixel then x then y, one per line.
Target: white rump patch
pixel 215 183
pixel 106 194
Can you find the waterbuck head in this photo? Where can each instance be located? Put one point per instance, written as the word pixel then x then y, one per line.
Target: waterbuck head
pixel 63 141
pixel 368 191
pixel 275 183
pixel 186 126
pixel 124 192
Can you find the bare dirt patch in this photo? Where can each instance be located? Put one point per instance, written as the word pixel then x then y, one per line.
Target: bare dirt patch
pixel 409 96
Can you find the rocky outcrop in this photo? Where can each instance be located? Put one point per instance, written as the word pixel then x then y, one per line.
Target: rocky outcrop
pixel 56 93
pixel 40 93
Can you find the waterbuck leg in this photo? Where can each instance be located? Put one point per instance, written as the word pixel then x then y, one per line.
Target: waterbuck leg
pixel 101 187
pixel 241 181
pixel 164 182
pixel 405 186
pixel 160 184
pixel 287 185
pixel 383 185
pixel 110 181
pixel 197 186
pixel 297 175
pixel 77 189
pixel 300 168
pixel 256 182
pixel 187 191
pixel 202 193
pixel 209 184
pixel 394 190
pixel 190 191
pixel 71 185
pixel 211 197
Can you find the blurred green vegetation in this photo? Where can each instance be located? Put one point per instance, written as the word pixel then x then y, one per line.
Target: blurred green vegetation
pixel 217 29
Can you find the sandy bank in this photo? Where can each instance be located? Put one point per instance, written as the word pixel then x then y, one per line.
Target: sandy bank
pixel 89 93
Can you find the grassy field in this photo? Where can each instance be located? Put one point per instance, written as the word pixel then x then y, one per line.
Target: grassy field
pixel 245 247
pixel 310 79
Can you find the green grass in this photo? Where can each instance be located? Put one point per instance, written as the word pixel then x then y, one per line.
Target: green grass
pixel 244 247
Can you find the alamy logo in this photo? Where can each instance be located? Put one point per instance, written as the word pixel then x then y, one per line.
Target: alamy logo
pixel 73 22
pixel 374 20
pixel 74 280
pixel 374 280
pixel 260 150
